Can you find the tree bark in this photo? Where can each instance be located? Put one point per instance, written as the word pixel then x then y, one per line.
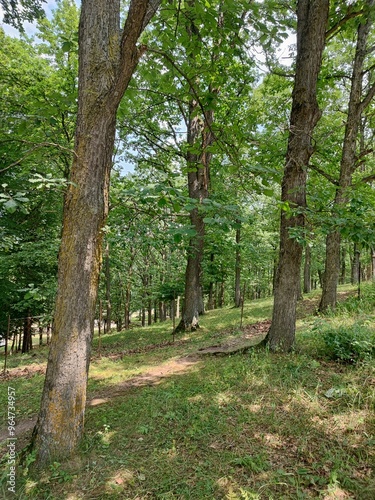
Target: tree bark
pixel 312 16
pixel 108 289
pixel 221 294
pixel 198 182
pixel 199 130
pixel 342 278
pixel 106 64
pixel 307 270
pixel 237 278
pixel 355 265
pixel 348 165
pixel 27 342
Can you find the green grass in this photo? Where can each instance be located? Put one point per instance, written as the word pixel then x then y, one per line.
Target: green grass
pixel 245 426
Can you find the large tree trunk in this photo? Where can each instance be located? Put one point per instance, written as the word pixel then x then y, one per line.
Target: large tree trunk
pixel 106 65
pixel 311 26
pixel 198 182
pixel 347 166
pixel 193 294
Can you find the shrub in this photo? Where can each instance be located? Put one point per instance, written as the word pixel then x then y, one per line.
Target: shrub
pixel 354 305
pixel 349 343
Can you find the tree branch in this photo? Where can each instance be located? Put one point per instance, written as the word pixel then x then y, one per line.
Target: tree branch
pixel 324 174
pixel 350 15
pixel 368 178
pixel 30 151
pixel 366 101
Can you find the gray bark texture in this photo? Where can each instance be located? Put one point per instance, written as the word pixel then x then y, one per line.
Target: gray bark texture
pixel 312 16
pixel 107 60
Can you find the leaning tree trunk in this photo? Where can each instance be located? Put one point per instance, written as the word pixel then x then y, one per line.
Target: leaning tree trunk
pixel 348 164
pixel 312 18
pixel 106 64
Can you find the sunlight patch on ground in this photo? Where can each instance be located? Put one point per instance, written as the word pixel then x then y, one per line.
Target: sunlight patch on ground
pixel 224 398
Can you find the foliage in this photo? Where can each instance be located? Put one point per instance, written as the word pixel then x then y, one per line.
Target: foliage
pixel 37 113
pixel 16 12
pixel 348 343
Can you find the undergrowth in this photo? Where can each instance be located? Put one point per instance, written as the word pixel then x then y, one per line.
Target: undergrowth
pixel 245 426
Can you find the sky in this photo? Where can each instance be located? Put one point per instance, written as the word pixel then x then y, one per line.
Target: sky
pixel 48 6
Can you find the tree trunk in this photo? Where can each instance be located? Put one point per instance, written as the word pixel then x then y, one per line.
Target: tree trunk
pixel 372 263
pixel 40 335
pixel 342 277
pixel 20 339
pixel 149 301
pixel 221 294
pixel 199 134
pixel 178 306
pixel 237 278
pixel 27 342
pixel 355 265
pixel 307 270
pixel 155 311
pixel 312 18
pixel 348 165
pixel 210 302
pixel 108 289
pixel 106 65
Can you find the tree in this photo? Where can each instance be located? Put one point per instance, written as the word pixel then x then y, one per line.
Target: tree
pixel 107 60
pixel 312 17
pixel 351 159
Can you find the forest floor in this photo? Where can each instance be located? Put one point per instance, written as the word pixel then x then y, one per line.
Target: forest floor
pixel 164 421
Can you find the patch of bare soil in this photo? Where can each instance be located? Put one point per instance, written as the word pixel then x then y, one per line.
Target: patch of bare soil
pixel 154 376
pixel 27 372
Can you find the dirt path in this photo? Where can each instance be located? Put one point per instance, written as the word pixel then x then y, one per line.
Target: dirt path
pixel 152 377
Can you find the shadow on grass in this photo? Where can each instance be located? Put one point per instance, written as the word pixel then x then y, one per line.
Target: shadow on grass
pixel 243 426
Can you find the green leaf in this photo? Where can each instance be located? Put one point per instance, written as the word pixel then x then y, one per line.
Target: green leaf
pixel 11 205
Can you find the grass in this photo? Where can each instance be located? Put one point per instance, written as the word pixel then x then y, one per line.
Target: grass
pixel 245 426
